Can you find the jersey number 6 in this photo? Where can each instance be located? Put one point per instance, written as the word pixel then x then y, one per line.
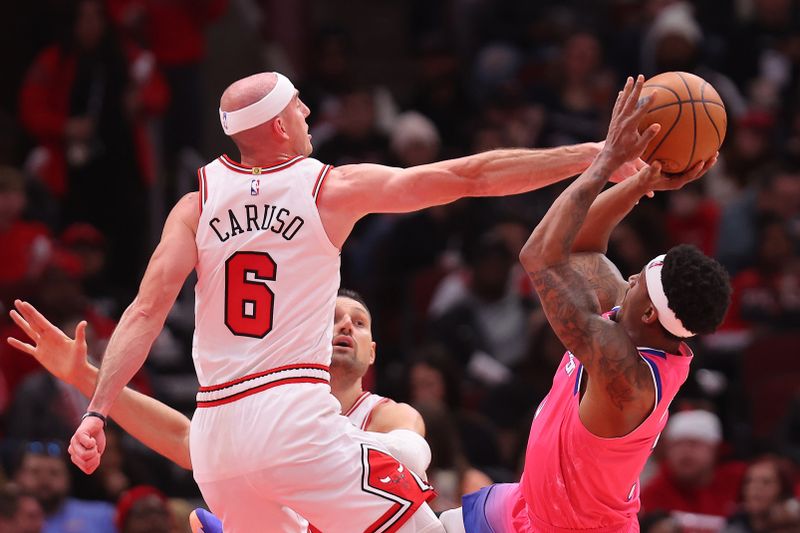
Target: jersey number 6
pixel 249 303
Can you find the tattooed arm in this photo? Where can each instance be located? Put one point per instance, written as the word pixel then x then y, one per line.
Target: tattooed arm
pixel 606 212
pixel 617 378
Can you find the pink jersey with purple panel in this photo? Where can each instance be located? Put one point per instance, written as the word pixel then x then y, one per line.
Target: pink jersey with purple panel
pixel 574 480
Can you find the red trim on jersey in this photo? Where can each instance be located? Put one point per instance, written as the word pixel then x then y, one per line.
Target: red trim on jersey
pixel 254 390
pixel 358 402
pixel 367 420
pixel 314 366
pixel 244 169
pixel 205 186
pixel 200 188
pixel 318 188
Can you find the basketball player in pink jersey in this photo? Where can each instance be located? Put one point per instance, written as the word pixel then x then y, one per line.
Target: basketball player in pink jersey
pixel 264 236
pixel 609 402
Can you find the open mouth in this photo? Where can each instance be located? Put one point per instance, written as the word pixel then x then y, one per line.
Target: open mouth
pixel 343 341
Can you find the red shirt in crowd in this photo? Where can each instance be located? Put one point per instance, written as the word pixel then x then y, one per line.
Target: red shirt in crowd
pixel 718 498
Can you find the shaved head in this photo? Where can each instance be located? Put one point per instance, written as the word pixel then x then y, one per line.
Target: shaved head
pixel 246 91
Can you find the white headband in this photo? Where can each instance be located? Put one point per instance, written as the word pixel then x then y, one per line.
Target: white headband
pixel 259 112
pixel 655 289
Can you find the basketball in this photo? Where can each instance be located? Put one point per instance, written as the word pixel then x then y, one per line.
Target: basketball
pixel 692 118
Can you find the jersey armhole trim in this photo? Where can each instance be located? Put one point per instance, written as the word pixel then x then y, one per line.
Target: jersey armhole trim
pixel 367 420
pixel 202 187
pixel 319 182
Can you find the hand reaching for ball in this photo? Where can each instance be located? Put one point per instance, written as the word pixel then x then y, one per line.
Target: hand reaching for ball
pixel 624 142
pixel 651 178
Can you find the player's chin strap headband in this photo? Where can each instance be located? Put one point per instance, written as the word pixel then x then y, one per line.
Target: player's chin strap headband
pixel 655 289
pixel 259 112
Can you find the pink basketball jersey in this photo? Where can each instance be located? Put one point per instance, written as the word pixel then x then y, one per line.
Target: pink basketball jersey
pixel 574 480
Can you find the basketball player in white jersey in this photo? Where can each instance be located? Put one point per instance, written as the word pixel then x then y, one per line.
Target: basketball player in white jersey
pixel 264 236
pixel 166 431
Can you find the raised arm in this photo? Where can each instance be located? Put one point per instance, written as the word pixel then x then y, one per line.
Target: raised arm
pixel 156 425
pixel 352 191
pixel 607 211
pixel 173 260
pixel 569 302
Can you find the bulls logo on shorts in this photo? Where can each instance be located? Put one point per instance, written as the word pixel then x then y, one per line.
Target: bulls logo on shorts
pixel 385 477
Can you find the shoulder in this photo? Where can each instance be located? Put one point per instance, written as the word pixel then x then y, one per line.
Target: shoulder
pixel 390 415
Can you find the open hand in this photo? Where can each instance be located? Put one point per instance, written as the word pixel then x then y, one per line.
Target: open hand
pixel 651 179
pixel 62 356
pixel 623 142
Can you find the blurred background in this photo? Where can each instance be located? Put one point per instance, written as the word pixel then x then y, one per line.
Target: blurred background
pixel 108 107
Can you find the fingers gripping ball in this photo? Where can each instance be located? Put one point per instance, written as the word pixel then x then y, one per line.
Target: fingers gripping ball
pixel 692 117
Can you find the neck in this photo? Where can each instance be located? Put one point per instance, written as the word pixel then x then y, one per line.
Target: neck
pixel 264 154
pixel 655 339
pixel 347 393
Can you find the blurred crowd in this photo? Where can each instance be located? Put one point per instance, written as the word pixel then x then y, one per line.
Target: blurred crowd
pixel 103 122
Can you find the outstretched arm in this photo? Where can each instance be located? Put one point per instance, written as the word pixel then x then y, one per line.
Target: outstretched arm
pixel 570 304
pixel 353 191
pixel 173 260
pixel 154 424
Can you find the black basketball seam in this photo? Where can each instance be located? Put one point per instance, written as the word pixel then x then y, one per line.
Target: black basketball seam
pixel 710 118
pixel 680 102
pixel 694 123
pixel 677 119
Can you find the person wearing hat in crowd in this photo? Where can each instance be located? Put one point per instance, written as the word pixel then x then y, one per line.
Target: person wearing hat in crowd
pixel 144 509
pixel 690 479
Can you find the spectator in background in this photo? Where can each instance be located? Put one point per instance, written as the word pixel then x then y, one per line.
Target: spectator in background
pixel 767 295
pixel 450 471
pixel 674 43
pixel 767 482
pixel 19 511
pixel 26 245
pixel 356 137
pixel 658 522
pixel 42 472
pixel 89 245
pixel 144 509
pixel 487 325
pixel 690 480
pixel 777 193
pixel 175 32
pixel 414 140
pixel 578 98
pixel 435 385
pixel 692 218
pixel 86 100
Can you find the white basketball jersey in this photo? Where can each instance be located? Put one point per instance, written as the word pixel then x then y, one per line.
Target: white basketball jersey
pixel 360 414
pixel 267 272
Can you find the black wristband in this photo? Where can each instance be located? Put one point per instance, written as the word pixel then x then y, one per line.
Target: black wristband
pixel 95 414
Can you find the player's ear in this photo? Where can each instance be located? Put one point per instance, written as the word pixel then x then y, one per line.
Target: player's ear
pixel 279 127
pixel 373 346
pixel 650 315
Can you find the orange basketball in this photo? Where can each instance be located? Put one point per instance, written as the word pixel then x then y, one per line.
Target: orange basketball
pixel 692 118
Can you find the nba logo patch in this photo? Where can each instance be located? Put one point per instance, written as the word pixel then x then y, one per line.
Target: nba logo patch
pixel 254 187
pixel 225 120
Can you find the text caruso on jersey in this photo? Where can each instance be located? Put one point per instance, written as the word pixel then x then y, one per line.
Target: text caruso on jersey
pixel 255 218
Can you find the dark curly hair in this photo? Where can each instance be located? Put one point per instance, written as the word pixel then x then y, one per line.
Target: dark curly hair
pixel 698 288
pixel 353 295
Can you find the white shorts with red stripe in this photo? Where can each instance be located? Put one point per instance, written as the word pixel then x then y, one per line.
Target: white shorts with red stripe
pixel 269 448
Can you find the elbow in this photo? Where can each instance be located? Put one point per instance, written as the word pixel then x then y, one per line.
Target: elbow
pixel 533 253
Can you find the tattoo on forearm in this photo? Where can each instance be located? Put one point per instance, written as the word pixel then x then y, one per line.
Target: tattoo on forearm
pixel 574 314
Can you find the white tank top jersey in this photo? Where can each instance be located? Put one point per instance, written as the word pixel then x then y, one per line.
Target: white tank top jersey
pixel 360 414
pixel 267 274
